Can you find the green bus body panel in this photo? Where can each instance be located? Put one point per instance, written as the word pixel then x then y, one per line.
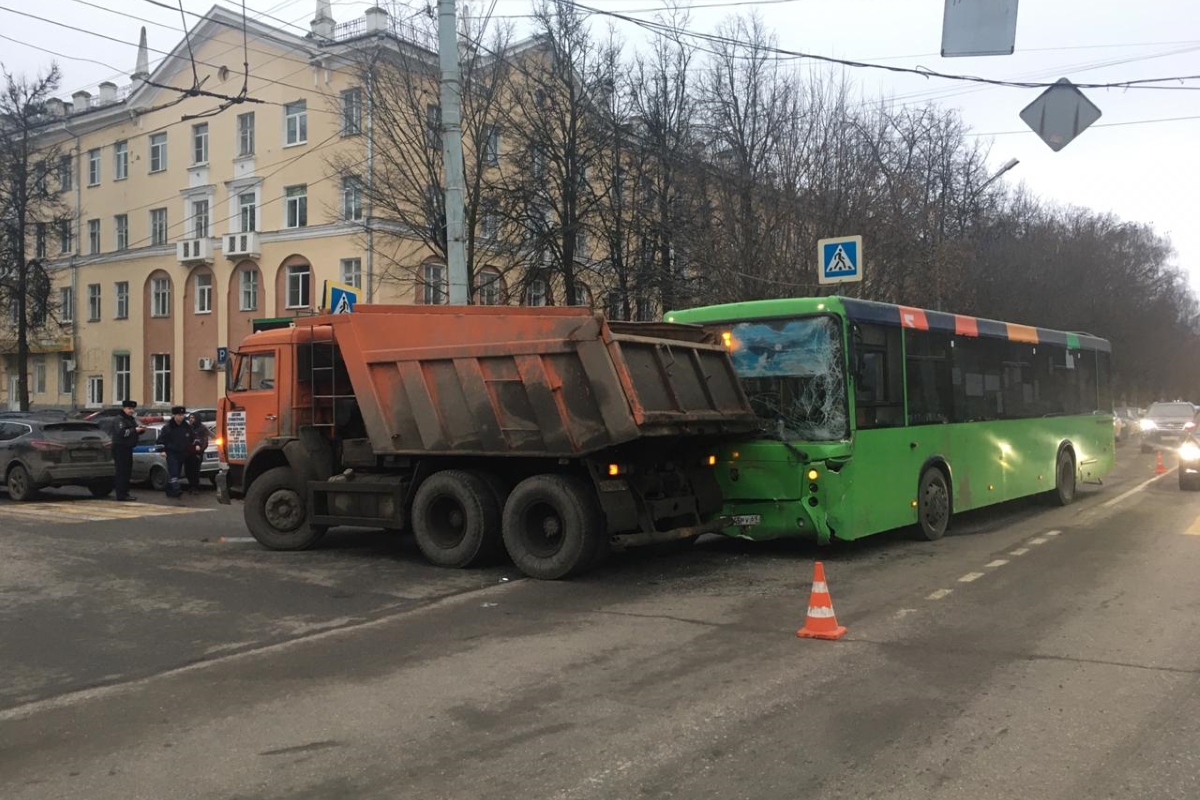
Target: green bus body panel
pixel 869 484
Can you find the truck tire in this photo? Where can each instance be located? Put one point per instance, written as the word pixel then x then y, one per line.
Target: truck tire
pixel 553 526
pixel 456 519
pixel 933 504
pixel 1064 479
pixel 276 512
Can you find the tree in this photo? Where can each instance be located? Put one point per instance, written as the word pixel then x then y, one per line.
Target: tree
pixel 27 208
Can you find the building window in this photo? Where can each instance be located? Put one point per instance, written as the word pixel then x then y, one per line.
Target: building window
pixel 435 284
pixel 491 146
pixel 297 206
pixel 536 295
pixel 248 212
pixel 295 117
pixel 122 292
pixel 583 295
pixel 199 219
pixel 645 309
pixel 160 364
pixel 489 223
pixel 64 174
pixel 39 376
pixel 489 287
pixel 121 384
pixel 94 167
pixel 121 161
pixel 351 272
pixel 64 236
pixel 122 231
pixel 204 291
pixel 245 129
pixel 352 198
pixel 433 125
pixel 66 380
pixel 200 144
pixel 66 305
pixel 351 112
pixel 298 285
pixel 94 302
pixel 93 236
pixel 158 226
pixel 160 297
pixel 248 289
pixel 95 391
pixel 615 305
pixel 40 240
pixel 158 152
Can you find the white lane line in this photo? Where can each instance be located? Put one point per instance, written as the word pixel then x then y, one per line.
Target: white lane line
pixel 939 594
pixel 999 562
pixel 970 576
pixel 1135 490
pixel 1038 540
pixel 1020 551
pixel 1052 533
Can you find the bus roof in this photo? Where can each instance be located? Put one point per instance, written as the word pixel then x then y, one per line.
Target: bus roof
pixel 890 314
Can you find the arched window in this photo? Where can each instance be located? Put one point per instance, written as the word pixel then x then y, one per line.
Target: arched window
pixel 433 277
pixel 536 294
pixel 491 290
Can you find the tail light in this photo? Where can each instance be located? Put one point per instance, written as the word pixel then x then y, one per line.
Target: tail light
pixel 46 446
pixel 1187 426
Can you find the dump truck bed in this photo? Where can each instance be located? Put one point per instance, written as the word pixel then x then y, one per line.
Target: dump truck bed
pixel 549 382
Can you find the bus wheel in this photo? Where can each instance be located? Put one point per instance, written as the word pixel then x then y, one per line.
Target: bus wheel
pixel 553 526
pixel 933 504
pixel 1064 483
pixel 276 512
pixel 455 518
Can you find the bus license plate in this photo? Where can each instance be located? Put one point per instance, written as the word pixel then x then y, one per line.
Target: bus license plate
pixel 745 520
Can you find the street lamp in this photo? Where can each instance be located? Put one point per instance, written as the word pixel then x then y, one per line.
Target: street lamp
pixel 1012 162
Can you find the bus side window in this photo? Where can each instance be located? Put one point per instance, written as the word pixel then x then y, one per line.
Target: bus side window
pixel 878 381
pixel 930 384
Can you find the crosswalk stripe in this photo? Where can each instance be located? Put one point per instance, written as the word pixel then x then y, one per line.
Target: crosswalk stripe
pixel 91 511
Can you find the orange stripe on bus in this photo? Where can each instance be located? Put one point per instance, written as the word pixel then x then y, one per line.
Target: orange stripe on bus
pixel 913 318
pixel 1022 333
pixel 966 326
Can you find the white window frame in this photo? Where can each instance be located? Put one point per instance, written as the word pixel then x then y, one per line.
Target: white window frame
pixel 248 289
pixel 200 144
pixel 158 152
pixel 40 236
pixel 295 202
pixel 94 166
pixel 295 123
pixel 122 371
pixel 350 272
pixel 160 297
pixel 245 134
pixel 121 160
pixel 204 292
pixel 352 111
pixel 121 230
pixel 121 300
pixel 537 295
pixel 491 146
pixel 95 302
pixel 245 210
pixel 201 217
pixel 160 368
pixel 299 282
pixel 65 175
pixel 352 198
pixel 66 382
pixel 95 391
pixel 435 291
pixel 39 375
pixel 66 236
pixel 93 237
pixel 159 234
pixel 490 286
pixel 66 305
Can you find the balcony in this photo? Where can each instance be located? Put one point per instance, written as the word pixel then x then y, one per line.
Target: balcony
pixel 241 245
pixel 194 251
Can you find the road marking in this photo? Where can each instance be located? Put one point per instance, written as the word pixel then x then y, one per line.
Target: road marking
pixel 901 614
pixel 1038 540
pixel 970 576
pixel 1135 490
pixel 1193 529
pixel 67 511
pixel 1052 533
pixel 999 562
pixel 939 594
pixel 233 539
pixel 1020 551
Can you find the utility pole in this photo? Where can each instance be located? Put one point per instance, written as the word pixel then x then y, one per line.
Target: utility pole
pixel 452 152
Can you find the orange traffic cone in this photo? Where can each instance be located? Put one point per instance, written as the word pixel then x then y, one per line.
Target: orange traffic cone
pixel 1160 468
pixel 821 622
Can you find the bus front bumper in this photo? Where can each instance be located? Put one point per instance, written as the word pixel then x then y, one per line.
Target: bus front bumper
pixel 762 520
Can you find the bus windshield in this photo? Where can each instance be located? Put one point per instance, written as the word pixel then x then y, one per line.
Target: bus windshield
pixel 793 373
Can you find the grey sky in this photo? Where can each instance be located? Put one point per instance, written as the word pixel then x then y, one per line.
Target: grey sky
pixel 1144 171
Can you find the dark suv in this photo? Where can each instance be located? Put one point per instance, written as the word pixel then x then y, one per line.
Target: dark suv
pixel 1167 425
pixel 36 453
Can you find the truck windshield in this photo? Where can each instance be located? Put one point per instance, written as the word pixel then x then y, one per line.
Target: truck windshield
pixel 254 372
pixel 794 375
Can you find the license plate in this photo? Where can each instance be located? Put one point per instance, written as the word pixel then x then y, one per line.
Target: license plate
pixel 744 520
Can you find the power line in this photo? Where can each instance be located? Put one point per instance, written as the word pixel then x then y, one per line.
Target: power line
pixel 1126 123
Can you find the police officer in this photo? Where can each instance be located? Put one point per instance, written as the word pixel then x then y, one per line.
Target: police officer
pixel 196 456
pixel 125 435
pixel 177 439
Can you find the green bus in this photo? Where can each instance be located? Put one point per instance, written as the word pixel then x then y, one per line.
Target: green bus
pixel 879 416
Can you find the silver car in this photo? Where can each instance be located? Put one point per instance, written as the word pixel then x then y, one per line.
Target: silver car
pixel 36 453
pixel 150 461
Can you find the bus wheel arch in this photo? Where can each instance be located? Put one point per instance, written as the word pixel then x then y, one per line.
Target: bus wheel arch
pixel 935 499
pixel 1066 466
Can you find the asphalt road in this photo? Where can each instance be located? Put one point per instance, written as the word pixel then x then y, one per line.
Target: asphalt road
pixel 1036 652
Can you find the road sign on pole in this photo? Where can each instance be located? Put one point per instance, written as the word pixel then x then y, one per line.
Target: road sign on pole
pixel 1059 114
pixel 840 260
pixel 979 28
pixel 339 298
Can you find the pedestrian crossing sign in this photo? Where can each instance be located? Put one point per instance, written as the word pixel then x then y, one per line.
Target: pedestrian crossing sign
pixel 840 260
pixel 339 298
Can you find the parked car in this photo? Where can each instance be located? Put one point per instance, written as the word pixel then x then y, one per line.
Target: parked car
pixel 36 453
pixel 150 461
pixel 1167 425
pixel 1126 421
pixel 106 418
pixel 1189 465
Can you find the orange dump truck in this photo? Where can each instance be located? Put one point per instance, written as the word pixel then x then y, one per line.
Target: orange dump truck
pixel 551 433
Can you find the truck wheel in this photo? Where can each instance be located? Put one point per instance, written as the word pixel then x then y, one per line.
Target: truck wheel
pixel 20 484
pixel 456 519
pixel 276 512
pixel 933 504
pixel 553 526
pixel 1064 479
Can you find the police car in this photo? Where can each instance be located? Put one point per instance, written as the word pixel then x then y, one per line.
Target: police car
pixel 150 461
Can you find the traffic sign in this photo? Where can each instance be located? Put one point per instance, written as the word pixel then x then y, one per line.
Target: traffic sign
pixel 979 28
pixel 339 298
pixel 222 356
pixel 840 260
pixel 1059 114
